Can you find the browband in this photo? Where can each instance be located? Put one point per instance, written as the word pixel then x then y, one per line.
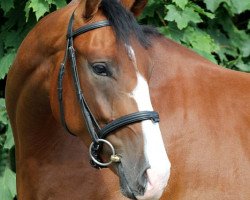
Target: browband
pixel 87 28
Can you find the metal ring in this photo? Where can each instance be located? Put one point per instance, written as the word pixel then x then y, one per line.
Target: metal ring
pixel 96 161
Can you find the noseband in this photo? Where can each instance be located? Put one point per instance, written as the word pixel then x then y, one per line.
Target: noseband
pixel 96 133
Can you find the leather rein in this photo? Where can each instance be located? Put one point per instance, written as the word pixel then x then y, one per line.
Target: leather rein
pixel 96 133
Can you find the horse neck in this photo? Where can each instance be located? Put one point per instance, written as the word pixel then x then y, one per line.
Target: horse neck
pixel 30 80
pixel 192 88
pixel 174 59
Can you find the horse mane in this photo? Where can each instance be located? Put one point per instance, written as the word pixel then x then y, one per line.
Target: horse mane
pixel 124 23
pixel 150 31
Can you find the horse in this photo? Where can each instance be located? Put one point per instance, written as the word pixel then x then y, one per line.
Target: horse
pixel 207 141
pixel 77 89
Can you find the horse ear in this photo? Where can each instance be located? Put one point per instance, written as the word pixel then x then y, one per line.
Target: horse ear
pixel 136 6
pixel 89 7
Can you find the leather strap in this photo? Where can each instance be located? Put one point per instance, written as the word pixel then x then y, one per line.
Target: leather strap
pixel 128 119
pixel 90 121
pixel 87 28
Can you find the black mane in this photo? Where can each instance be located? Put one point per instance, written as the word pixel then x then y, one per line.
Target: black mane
pixel 150 31
pixel 124 23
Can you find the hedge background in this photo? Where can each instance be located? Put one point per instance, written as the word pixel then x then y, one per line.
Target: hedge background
pixel 216 29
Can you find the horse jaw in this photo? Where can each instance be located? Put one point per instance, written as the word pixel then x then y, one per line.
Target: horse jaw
pixel 154 150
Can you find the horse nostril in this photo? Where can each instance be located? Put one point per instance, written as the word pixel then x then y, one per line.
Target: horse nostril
pixel 142 182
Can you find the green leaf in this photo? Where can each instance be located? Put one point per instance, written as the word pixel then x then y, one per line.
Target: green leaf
pixel 39 7
pixel 7 185
pixel 4 154
pixel 248 26
pixel 9 142
pixel 235 6
pixel 2 141
pixel 200 40
pixel 59 3
pixel 182 17
pixel 1 48
pixel 172 32
pixel 181 3
pixel 243 67
pixel 153 13
pixel 5 63
pixel 213 4
pixel 201 11
pixel 238 38
pixel 6 5
pixel 206 55
pixel 27 10
pixel 149 11
pixel 11 38
pixel 225 46
pixel 3 113
pixel 241 6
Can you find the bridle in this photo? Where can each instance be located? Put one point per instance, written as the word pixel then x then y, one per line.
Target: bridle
pixel 96 133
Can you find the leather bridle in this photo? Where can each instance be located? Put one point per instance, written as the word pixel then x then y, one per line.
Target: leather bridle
pixel 96 133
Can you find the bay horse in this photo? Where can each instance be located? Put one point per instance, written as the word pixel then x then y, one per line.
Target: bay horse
pixel 204 126
pixel 80 81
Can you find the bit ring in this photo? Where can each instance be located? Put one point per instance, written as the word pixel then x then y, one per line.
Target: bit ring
pixel 95 160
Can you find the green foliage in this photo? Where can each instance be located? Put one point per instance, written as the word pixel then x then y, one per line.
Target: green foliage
pixel 7 5
pixel 182 17
pixel 5 63
pixel 216 29
pixel 7 176
pixel 7 184
pixel 40 7
pixel 234 6
pixel 18 19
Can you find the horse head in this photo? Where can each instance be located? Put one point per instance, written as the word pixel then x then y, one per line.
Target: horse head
pixel 103 95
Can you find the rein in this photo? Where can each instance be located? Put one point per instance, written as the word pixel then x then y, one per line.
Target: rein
pixel 96 133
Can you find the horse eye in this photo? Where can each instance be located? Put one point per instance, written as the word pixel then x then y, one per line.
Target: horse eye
pixel 101 69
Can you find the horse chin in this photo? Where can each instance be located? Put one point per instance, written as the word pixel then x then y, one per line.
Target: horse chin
pixel 126 189
pixel 151 189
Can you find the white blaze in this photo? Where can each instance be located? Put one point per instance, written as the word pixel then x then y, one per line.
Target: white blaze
pixel 155 152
